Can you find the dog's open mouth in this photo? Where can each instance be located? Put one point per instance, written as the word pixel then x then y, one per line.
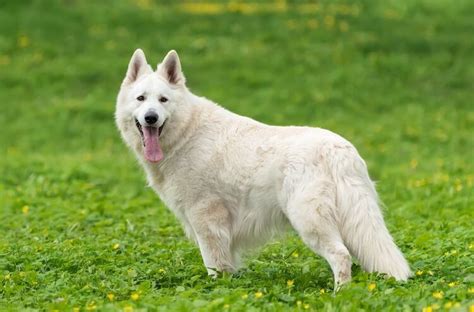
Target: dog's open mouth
pixel 151 142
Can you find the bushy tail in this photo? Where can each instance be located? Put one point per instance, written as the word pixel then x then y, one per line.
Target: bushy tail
pixel 360 220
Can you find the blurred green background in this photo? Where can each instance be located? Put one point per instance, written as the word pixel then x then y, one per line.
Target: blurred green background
pixel 80 229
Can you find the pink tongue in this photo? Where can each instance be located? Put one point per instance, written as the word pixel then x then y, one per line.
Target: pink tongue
pixel 153 150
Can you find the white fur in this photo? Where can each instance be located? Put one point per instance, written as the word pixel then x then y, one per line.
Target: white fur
pixel 234 182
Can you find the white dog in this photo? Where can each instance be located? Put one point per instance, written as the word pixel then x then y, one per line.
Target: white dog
pixel 234 182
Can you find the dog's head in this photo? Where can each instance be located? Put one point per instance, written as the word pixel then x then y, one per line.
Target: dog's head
pixel 147 100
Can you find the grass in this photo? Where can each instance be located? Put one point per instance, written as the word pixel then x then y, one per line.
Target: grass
pixel 79 229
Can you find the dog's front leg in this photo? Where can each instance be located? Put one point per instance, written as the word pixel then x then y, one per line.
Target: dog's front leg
pixel 212 224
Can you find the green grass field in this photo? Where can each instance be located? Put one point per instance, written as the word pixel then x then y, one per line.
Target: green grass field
pixel 79 229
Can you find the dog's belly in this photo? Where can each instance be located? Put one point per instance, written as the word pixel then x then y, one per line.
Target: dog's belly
pixel 258 218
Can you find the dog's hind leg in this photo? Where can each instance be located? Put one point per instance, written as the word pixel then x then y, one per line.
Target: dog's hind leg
pixel 311 212
pixel 211 223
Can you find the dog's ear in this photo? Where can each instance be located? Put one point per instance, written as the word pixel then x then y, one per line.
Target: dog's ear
pixel 137 67
pixel 170 69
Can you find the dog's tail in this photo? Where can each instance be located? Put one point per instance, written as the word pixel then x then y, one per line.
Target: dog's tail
pixel 360 220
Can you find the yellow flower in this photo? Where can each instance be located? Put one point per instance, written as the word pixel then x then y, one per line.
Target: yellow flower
pixel 430 273
pixel 226 306
pixel 295 254
pixel 448 305
pixel 76 309
pixel 343 26
pixel 161 271
pixel 419 273
pixel 258 294
pixel 203 8
pixel 116 246
pixel 371 286
pixel 299 303
pixel 329 21
pixel 25 209
pixel 427 309
pixel 244 296
pixel 452 284
pixel 111 296
pixel 322 291
pixel 23 41
pixel 313 23
pixel 134 296
pixel 128 309
pixel 438 294
pixel 7 277
pixel 470 290
pixel 306 306
pixel 91 306
pixel 471 308
pixel 290 283
pixel 144 4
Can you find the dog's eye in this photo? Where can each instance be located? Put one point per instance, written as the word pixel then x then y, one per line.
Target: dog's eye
pixel 141 98
pixel 162 99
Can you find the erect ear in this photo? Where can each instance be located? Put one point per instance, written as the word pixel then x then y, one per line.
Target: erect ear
pixel 170 69
pixel 137 67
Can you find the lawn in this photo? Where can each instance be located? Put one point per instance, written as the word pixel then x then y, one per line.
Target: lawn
pixel 79 229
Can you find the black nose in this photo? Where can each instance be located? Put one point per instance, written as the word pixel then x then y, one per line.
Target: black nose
pixel 151 117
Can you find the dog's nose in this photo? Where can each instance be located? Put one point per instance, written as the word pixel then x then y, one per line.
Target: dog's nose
pixel 151 117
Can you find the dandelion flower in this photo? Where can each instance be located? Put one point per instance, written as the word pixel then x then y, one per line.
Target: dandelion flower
pixel 438 294
pixel 306 306
pixel 25 209
pixel 135 296
pixel 427 309
pixel 295 254
pixel 471 308
pixel 128 309
pixel 23 41
pixel 419 273
pixel 470 290
pixel 322 291
pixel 299 303
pixel 313 24
pixel 161 270
pixel 452 284
pixel 7 277
pixel 111 296
pixel 258 294
pixel 116 246
pixel 329 21
pixel 290 283
pixel 76 309
pixel 448 305
pixel 343 26
pixel 91 307
pixel 371 286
